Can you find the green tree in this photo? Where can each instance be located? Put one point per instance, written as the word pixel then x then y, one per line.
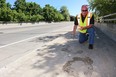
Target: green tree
pixel 33 8
pixel 48 13
pixel 103 7
pixel 15 16
pixel 21 17
pixel 65 13
pixel 36 18
pixel 30 11
pixel 9 14
pixel 6 15
pixel 2 3
pixel 20 5
pixel 5 11
pixel 58 16
pixel 9 5
pixel 34 11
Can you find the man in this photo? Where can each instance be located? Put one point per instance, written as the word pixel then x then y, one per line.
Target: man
pixel 84 23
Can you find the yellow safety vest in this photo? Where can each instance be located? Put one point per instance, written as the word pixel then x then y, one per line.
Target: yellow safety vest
pixel 85 23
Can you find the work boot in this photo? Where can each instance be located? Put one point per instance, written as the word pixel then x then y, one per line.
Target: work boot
pixel 87 34
pixel 90 46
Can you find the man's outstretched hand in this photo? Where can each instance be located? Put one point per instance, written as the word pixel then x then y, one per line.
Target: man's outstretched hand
pixel 73 34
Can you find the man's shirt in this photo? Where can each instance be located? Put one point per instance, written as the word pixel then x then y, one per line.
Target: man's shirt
pixel 83 18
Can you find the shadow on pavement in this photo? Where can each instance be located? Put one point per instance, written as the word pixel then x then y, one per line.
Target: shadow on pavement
pixel 76 59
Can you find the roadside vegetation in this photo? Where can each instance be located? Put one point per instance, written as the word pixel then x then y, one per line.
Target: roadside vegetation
pixel 23 11
pixel 103 8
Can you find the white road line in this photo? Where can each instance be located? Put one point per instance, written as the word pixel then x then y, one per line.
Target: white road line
pixel 29 38
pixel 21 41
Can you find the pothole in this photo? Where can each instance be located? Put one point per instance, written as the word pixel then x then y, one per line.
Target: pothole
pixel 79 67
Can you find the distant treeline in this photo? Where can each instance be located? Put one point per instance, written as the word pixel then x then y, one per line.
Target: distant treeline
pixel 23 11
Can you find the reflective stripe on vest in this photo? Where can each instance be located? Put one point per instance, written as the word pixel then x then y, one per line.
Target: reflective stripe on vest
pixel 85 23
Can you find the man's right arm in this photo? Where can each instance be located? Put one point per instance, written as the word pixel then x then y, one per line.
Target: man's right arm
pixel 74 29
pixel 75 25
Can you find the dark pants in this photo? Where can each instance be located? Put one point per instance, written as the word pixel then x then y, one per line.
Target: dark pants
pixel 84 37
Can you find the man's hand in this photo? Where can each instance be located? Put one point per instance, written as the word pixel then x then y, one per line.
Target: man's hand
pixel 81 28
pixel 73 34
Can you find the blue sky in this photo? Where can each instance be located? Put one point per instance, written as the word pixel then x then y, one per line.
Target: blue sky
pixel 73 6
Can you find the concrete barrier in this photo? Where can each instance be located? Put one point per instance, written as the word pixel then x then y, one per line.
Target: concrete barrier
pixel 11 25
pixel 108 28
pixel 21 24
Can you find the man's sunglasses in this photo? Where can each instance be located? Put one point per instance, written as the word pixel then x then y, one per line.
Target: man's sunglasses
pixel 84 10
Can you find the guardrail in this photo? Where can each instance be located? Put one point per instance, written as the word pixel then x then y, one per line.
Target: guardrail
pixel 108 15
pixel 107 19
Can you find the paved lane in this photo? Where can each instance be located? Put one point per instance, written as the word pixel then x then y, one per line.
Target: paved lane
pixel 12 35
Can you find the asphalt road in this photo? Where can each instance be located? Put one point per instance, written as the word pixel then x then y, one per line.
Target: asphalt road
pixel 57 54
pixel 11 35
pixel 15 41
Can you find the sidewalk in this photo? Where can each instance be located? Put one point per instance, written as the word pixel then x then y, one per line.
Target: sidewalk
pixel 63 56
